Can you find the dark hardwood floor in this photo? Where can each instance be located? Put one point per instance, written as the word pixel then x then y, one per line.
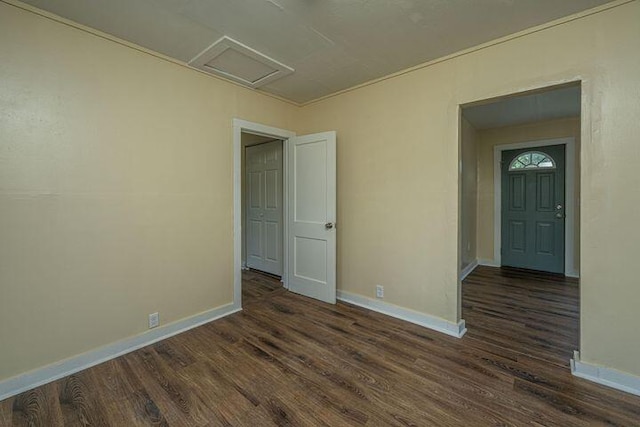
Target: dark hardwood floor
pixel 528 312
pixel 289 360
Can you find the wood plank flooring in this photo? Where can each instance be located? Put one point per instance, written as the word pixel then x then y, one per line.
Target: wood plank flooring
pixel 528 312
pixel 290 361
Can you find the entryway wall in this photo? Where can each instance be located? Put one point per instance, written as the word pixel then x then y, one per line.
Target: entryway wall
pixel 487 139
pixel 468 196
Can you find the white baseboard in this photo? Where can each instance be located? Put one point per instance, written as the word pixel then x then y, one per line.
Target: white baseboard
pixel 488 263
pixel 21 383
pixel 492 263
pixel 468 269
pixel 606 376
pixel 436 323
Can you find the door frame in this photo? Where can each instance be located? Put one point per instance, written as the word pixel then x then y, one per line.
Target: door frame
pixel 240 126
pixel 570 194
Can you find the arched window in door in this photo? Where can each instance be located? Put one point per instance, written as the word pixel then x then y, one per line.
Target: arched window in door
pixel 532 160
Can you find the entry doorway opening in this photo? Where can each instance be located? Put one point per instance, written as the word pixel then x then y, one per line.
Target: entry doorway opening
pixel 262 201
pixel 519 224
pixel 284 224
pixel 262 204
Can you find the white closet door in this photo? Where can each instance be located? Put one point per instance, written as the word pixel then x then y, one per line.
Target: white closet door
pixel 264 207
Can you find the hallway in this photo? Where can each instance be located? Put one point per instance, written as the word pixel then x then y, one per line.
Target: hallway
pixel 532 313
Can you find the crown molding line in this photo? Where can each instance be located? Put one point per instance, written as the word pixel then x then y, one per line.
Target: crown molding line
pixel 97 33
pixel 491 43
pixel 532 30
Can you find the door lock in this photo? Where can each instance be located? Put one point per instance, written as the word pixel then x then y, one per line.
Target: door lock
pixel 328 225
pixel 558 207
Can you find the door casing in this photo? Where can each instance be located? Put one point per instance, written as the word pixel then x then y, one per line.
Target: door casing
pixel 570 192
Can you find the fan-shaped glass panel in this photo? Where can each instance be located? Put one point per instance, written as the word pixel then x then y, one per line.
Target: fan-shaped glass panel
pixel 532 160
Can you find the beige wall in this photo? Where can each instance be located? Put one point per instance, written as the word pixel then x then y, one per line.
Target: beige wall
pixel 487 140
pixel 468 193
pixel 115 189
pixel 116 181
pixel 398 180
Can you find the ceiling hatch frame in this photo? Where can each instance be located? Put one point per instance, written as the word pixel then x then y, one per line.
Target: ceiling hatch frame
pixel 271 69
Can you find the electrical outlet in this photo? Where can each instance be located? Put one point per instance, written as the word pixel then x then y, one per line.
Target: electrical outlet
pixel 154 320
pixel 379 291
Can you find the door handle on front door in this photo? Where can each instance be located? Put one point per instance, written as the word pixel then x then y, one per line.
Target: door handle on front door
pixel 559 215
pixel 328 225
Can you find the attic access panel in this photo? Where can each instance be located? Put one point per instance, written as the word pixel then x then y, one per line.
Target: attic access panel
pixel 233 60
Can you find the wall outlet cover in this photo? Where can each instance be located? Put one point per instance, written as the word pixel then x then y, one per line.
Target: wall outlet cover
pixel 379 291
pixel 154 320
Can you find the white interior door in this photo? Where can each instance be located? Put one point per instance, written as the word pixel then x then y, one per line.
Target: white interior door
pixel 264 207
pixel 311 169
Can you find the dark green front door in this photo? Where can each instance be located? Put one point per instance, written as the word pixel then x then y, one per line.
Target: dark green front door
pixel 533 211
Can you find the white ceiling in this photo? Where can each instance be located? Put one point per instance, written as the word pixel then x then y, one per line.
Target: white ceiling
pixel 331 44
pixel 549 105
